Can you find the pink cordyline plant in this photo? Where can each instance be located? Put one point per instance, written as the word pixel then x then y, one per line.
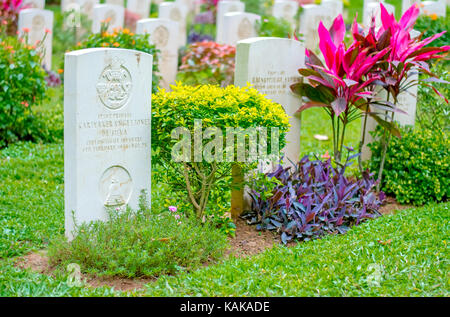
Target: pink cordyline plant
pixel 407 57
pixel 340 85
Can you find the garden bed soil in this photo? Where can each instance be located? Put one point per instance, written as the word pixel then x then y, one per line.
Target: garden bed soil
pixel 247 242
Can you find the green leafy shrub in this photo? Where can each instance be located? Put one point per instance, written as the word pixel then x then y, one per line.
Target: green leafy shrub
pixel 433 112
pixel 22 87
pixel 140 244
pixel 432 25
pixel 124 38
pixel 216 108
pixel 273 27
pixel 416 168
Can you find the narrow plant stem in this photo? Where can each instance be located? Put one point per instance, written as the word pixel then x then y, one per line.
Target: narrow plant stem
pixel 385 143
pixel 363 139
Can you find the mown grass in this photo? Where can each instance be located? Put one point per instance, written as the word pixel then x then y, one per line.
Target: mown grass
pixel 409 250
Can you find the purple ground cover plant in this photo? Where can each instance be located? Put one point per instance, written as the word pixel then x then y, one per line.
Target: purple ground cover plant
pixel 314 198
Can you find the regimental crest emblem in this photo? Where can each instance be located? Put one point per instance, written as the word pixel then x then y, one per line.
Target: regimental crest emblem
pixel 245 29
pixel 114 85
pixel 175 14
pixel 161 36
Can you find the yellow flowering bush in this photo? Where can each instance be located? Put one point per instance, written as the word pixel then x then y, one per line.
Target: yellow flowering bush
pixel 216 107
pixel 124 38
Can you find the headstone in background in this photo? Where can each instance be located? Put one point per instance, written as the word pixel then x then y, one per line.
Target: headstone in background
pixel 438 8
pixel 337 7
pixel 40 24
pixel 112 14
pixel 406 4
pixel 224 7
pixel 407 101
pixel 34 4
pixel 115 2
pixel 107 132
pixel 164 35
pixel 285 9
pixel 374 9
pixel 271 65
pixel 309 23
pixel 239 26
pixel 141 7
pixel 175 11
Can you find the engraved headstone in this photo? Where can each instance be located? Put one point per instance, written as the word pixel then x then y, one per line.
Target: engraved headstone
pixel 111 14
pixel 271 65
pixel 285 9
pixel 40 24
pixel 224 7
pixel 239 26
pixel 309 23
pixel 107 118
pixel 163 33
pixel 34 4
pixel 175 11
pixel 141 7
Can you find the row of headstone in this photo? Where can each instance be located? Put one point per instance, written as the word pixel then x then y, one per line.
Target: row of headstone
pixel 38 25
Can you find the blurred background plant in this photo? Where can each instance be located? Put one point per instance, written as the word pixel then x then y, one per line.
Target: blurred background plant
pixel 123 38
pixel 208 63
pixel 22 87
pixel 270 26
pixel 9 13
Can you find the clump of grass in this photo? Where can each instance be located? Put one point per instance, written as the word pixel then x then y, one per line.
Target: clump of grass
pixel 140 243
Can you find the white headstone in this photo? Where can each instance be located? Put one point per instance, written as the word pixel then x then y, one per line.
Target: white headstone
pixel 85 7
pixel 141 7
pixel 438 8
pixel 406 4
pixel 224 7
pixel 373 9
pixel 112 14
pixel 175 11
pixel 337 6
pixel 115 2
pixel 107 132
pixel 34 4
pixel 239 26
pixel 285 9
pixel 271 65
pixel 309 23
pixel 39 24
pixel 164 35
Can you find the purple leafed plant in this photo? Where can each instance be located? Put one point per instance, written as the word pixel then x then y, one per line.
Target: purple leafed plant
pixel 313 199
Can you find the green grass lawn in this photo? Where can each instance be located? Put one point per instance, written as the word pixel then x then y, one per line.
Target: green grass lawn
pixel 410 248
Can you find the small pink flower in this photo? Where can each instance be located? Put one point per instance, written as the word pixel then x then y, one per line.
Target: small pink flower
pixel 26 30
pixel 48 31
pixel 173 208
pixel 326 155
pixel 177 217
